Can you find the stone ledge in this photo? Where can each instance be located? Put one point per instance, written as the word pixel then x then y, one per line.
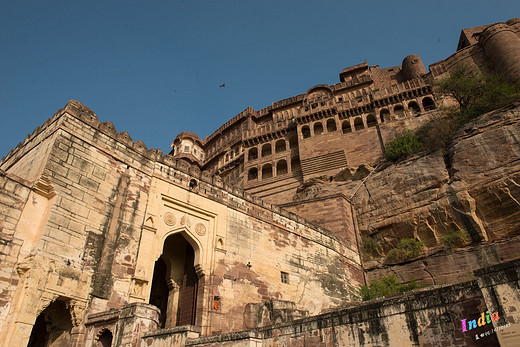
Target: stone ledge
pixel 173 330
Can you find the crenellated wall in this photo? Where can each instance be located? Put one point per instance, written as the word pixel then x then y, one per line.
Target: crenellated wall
pixel 105 207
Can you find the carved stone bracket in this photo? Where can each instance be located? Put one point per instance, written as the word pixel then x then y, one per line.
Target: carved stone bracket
pixel 45 301
pixel 199 270
pixel 172 285
pixel 77 312
pixel 44 187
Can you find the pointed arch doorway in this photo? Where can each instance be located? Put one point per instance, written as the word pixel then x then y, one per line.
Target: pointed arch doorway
pixel 175 283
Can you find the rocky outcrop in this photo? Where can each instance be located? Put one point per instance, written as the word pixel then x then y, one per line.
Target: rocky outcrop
pixel 474 188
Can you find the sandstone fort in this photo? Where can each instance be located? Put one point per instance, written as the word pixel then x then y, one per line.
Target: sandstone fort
pixel 256 235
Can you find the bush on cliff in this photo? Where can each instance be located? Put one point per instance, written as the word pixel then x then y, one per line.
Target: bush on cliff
pixel 406 249
pixel 454 238
pixel 387 285
pixel 475 92
pixel 370 248
pixel 403 145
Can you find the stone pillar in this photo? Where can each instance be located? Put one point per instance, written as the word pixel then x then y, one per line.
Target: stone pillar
pixel 173 300
pixel 502 48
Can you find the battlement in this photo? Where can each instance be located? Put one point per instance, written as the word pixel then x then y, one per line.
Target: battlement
pixel 177 171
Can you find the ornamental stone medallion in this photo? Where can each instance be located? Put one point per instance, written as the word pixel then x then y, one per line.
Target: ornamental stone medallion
pixel 200 229
pixel 169 219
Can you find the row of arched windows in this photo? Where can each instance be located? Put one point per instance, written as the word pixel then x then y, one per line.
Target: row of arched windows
pixel 346 126
pixel 268 170
pixel 371 120
pixel 413 107
pixel 266 149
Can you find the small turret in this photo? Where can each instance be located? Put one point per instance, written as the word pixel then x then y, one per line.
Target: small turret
pixel 501 45
pixel 188 146
pixel 412 67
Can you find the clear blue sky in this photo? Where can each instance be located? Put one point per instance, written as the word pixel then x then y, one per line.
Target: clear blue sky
pixel 154 68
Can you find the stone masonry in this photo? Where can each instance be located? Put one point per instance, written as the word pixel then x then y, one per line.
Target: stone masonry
pixel 254 236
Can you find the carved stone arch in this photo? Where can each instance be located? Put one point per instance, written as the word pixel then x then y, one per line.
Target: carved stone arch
pixel 318 93
pixel 46 301
pixel 101 331
pixel 193 240
pixel 178 275
pixel 104 337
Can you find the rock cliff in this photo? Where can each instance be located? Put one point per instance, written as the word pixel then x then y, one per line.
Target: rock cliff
pixel 474 188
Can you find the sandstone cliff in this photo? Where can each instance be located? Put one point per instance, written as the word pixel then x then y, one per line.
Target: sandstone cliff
pixel 474 188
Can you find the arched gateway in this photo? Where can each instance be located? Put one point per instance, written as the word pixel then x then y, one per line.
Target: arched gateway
pixel 175 282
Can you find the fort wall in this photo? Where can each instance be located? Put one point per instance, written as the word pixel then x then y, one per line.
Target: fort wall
pixel 107 206
pixel 427 317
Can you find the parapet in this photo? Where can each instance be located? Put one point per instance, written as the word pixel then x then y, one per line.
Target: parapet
pixel 181 173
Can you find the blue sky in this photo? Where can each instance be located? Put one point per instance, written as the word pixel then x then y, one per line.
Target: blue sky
pixel 154 68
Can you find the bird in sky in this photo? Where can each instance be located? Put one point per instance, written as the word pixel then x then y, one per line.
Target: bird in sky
pixel 223 85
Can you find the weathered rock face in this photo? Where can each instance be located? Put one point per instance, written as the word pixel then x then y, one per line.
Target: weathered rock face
pixel 473 188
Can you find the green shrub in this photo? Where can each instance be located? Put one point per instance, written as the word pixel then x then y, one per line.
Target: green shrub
pixel 370 248
pixel 405 250
pixel 475 92
pixel 387 285
pixel 437 133
pixel 453 239
pixel 403 145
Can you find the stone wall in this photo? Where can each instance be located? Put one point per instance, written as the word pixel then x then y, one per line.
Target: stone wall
pixel 97 221
pixel 436 316
pixel 332 212
pixel 12 201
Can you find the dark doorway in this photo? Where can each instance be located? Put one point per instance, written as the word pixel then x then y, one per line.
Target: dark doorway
pixel 188 292
pixel 52 327
pixel 175 283
pixel 105 339
pixel 159 292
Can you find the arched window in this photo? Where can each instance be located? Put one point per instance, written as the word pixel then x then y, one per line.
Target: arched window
pixel 414 107
pixel 331 125
pixel 252 175
pixel 295 164
pixel 267 171
pixel 318 128
pixel 293 142
pixel 306 132
pixel 371 121
pixel 279 146
pixel 358 124
pixel 345 127
pixel 252 154
pixel 281 168
pixel 428 103
pixel 266 149
pixel 384 115
pixel 399 111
